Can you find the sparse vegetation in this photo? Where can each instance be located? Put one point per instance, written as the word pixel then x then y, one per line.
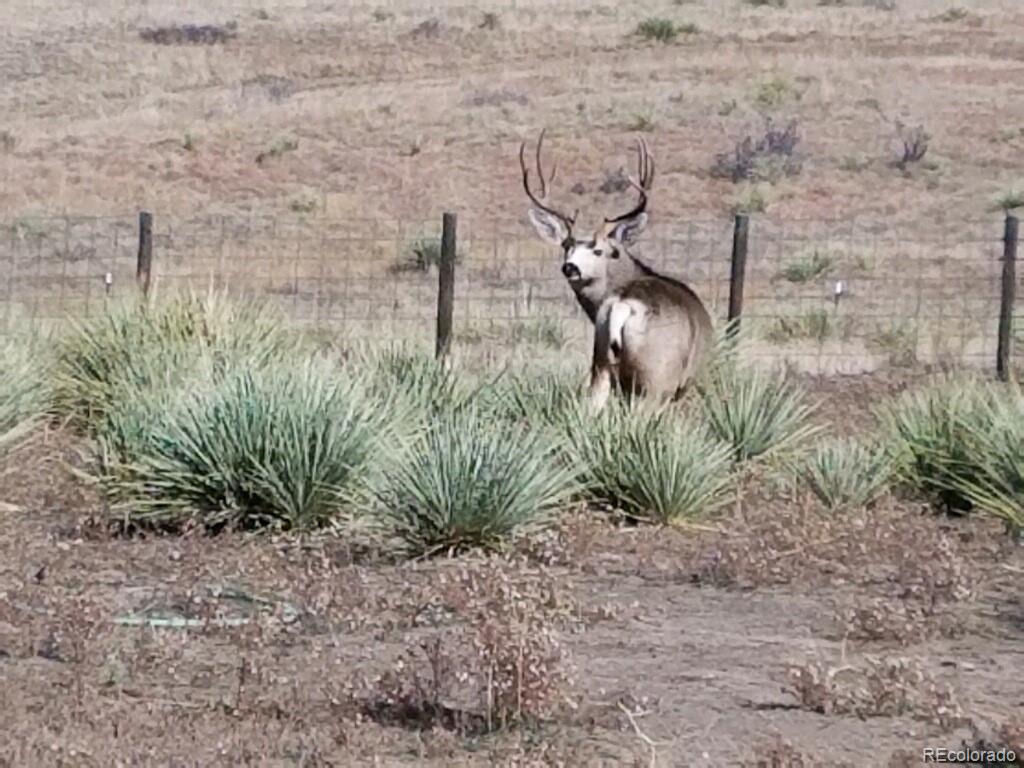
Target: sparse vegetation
pixel 773 93
pixel 806 267
pixel 277 149
pixel 191 34
pixel 816 325
pixel 1010 200
pixel 914 142
pixel 658 29
pixel 425 254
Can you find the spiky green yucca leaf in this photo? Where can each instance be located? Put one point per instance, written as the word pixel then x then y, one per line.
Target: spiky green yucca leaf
pixel 414 374
pixel 465 483
pixel 989 471
pixel 137 344
pixel 542 400
pixel 23 390
pixel 647 463
pixel 929 430
pixel 845 473
pixel 756 413
pixel 286 446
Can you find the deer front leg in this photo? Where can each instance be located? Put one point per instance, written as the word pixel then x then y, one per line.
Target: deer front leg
pixel 600 387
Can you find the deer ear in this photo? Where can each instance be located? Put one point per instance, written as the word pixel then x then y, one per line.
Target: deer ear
pixel 628 230
pixel 552 230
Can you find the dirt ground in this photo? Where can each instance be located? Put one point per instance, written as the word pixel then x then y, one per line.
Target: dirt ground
pixel 679 642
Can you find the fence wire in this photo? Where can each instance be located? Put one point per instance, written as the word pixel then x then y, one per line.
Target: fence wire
pixel 826 296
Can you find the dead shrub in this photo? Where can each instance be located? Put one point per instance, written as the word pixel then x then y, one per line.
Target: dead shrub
pixel 883 687
pixel 915 144
pixel 767 157
pixel 780 753
pixel 191 34
pixel 501 665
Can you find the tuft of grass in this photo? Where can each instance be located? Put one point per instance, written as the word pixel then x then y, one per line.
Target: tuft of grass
pixel 23 390
pixel 752 201
pixel 817 325
pixel 953 14
pixel 101 362
pixel 806 267
pixel 844 473
pixel 641 461
pixel 465 484
pixel 757 414
pixel 773 93
pixel 277 149
pixel 657 29
pixel 1010 200
pixel 284 446
pixel 424 255
pixel 642 123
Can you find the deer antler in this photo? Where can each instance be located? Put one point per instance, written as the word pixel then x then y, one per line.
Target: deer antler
pixel 643 182
pixel 567 220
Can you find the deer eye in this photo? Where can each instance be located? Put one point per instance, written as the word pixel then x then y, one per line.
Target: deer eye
pixel 598 252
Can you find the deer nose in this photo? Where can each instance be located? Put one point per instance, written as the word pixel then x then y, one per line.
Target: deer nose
pixel 570 270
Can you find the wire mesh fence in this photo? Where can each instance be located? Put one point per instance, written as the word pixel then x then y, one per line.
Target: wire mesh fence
pixel 826 296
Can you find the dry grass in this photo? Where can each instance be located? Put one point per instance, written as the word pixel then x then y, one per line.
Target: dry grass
pixel 104 131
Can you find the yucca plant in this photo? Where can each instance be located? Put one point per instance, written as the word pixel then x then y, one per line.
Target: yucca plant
pixel 647 463
pixel 930 430
pixel 542 400
pixel 989 472
pixel 137 343
pixel 288 446
pixel 757 414
pixel 844 473
pixel 418 377
pixel 23 389
pixel 465 483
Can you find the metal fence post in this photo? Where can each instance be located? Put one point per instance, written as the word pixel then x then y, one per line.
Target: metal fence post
pixel 144 262
pixel 1009 289
pixel 738 271
pixel 446 286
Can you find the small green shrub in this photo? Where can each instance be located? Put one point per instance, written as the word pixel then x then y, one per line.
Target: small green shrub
pixel 646 463
pixel 658 29
pixel 843 473
pixel 467 483
pixel 23 389
pixel 756 414
pixel 286 446
pixel 806 268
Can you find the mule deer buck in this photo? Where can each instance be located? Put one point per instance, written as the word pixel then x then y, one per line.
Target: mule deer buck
pixel 651 332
